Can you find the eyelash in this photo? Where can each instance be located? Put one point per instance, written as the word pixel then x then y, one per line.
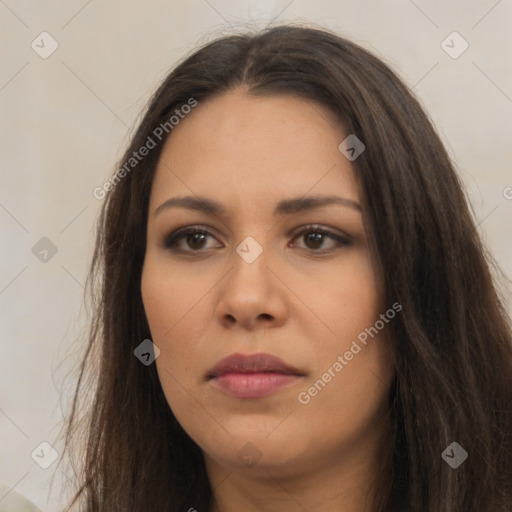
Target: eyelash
pixel 170 242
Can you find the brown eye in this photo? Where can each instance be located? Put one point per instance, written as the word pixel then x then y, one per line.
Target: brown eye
pixel 195 240
pixel 315 237
pixel 314 240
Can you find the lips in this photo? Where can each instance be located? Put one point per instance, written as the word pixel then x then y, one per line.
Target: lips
pixel 252 376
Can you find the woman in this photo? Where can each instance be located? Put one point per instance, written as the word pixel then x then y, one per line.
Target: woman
pixel 294 309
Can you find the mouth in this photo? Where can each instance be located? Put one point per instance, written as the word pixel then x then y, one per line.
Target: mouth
pixel 252 376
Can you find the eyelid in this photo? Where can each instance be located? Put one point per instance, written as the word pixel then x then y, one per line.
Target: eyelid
pixel 341 239
pixel 175 235
pixel 170 241
pixel 318 227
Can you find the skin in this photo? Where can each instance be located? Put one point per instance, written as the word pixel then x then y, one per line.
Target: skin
pixel 301 300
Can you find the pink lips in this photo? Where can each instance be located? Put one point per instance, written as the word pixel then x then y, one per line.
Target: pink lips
pixel 252 376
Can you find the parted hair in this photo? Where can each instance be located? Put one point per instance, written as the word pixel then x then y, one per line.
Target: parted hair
pixel 453 378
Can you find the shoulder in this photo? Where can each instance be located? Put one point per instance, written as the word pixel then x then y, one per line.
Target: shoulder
pixel 11 501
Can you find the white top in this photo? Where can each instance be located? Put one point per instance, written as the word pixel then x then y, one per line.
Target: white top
pixel 12 501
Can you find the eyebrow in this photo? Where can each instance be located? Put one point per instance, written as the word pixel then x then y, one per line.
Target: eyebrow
pixel 284 207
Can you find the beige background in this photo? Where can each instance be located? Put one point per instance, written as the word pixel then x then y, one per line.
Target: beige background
pixel 67 118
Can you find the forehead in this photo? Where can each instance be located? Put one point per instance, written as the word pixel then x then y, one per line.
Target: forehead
pixel 237 146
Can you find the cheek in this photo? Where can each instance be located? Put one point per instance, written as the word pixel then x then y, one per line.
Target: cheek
pixel 172 298
pixel 349 398
pixel 166 303
pixel 344 297
pixel 178 314
pixel 351 407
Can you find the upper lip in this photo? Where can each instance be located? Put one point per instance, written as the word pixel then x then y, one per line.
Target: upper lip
pixel 252 363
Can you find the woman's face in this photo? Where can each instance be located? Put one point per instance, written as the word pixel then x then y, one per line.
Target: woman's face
pixel 279 272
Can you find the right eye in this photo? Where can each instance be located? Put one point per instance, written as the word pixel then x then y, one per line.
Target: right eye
pixel 194 236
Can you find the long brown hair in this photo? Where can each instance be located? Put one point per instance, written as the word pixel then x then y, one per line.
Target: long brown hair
pixel 453 338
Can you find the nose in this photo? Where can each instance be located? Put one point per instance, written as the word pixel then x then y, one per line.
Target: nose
pixel 252 295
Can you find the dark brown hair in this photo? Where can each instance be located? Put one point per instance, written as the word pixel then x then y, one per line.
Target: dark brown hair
pixel 453 338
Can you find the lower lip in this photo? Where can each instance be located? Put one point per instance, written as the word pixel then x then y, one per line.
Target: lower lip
pixel 252 385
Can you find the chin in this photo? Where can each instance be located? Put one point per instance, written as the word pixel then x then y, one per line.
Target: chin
pixel 257 448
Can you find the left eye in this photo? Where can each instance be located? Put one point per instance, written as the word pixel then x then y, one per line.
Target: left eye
pixel 195 237
pixel 315 236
